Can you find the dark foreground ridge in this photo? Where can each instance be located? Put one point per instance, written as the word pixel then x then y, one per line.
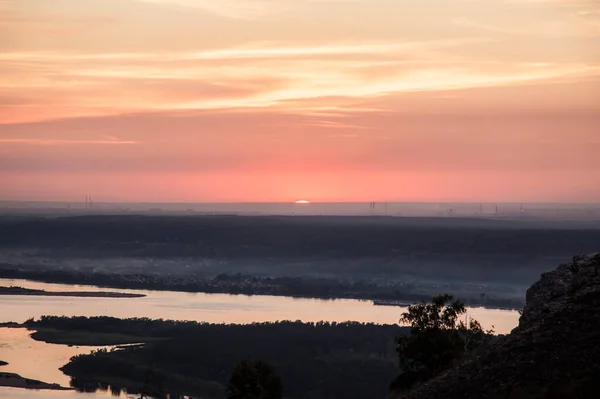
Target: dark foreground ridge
pixel 553 353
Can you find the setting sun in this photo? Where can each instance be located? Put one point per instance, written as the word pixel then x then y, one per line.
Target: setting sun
pixel 303 202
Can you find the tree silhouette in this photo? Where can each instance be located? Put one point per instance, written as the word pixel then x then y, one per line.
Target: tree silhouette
pixel 254 380
pixel 152 384
pixel 437 338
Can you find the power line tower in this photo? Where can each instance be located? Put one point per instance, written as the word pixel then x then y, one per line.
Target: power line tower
pixel 89 202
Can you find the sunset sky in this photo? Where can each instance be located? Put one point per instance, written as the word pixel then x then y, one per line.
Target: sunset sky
pixel 276 100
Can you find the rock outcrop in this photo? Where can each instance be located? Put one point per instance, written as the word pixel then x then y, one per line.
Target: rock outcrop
pixel 553 353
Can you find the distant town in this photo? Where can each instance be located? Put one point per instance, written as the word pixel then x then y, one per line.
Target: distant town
pixel 524 211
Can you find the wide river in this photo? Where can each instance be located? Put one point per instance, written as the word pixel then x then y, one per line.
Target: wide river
pixel 41 361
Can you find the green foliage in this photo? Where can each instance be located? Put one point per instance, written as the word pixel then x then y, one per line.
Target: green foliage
pixel 437 338
pixel 254 380
pixel 442 313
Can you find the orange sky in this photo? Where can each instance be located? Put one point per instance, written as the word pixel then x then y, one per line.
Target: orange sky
pixel 275 100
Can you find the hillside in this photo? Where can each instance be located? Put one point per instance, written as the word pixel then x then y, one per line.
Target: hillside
pixel 553 353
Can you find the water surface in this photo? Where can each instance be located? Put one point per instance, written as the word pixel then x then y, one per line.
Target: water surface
pixel 42 361
pixel 214 308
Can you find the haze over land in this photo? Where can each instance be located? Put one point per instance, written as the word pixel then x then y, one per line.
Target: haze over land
pixel 484 261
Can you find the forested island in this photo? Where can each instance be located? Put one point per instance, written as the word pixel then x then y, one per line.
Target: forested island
pixel 316 360
pixel 89 294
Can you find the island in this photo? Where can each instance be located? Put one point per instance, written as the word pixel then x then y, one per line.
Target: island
pixel 348 360
pixel 88 294
pixel 13 380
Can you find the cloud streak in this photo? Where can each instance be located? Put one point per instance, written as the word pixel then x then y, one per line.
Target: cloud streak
pixel 45 142
pixel 285 76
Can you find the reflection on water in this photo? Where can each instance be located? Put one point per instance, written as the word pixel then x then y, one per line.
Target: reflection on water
pixel 39 361
pixel 116 392
pixel 42 361
pixel 16 393
pixel 98 388
pixel 34 359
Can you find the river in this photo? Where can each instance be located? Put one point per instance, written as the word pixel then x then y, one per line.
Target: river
pixel 41 361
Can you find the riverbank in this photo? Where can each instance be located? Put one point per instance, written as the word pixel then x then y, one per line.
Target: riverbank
pixel 86 294
pixel 294 287
pixel 16 381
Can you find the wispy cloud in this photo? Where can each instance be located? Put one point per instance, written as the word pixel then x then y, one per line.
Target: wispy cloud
pixel 287 78
pixel 574 25
pixel 264 50
pixel 336 125
pixel 245 9
pixel 228 8
pixel 108 141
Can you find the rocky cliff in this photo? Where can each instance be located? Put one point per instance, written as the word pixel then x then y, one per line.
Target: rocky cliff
pixel 553 353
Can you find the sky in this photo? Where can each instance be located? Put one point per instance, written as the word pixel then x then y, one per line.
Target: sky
pixel 277 100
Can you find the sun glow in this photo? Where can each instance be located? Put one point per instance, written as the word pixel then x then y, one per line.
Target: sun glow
pixel 305 202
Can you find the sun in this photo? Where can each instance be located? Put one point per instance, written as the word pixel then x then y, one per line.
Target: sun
pixel 305 202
